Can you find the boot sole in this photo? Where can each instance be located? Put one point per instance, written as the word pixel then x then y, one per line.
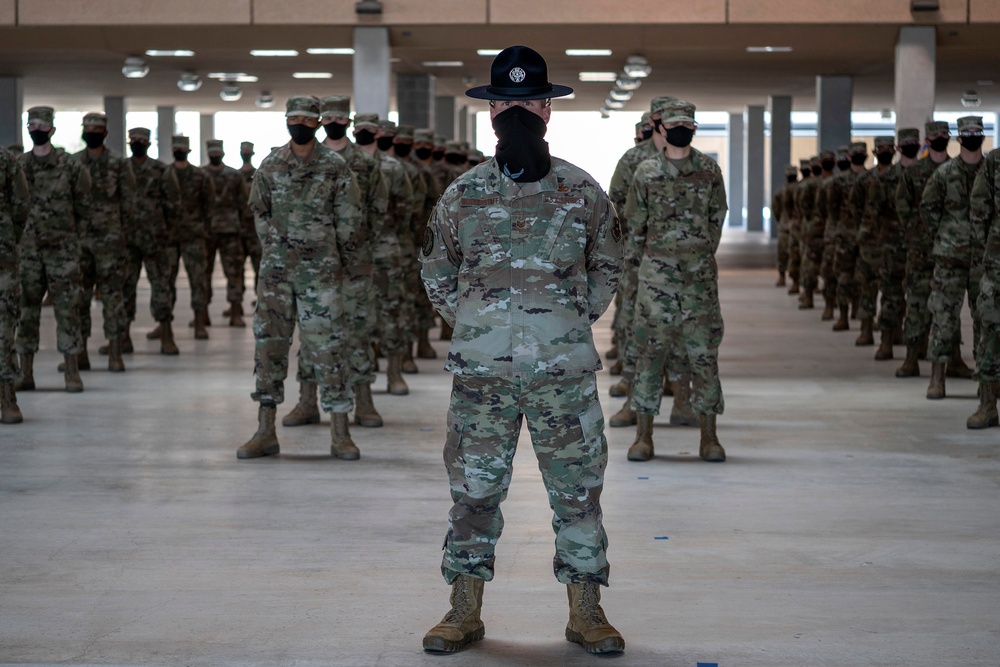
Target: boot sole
pixel 971 426
pixel 440 645
pixel 12 420
pixel 934 397
pixel 427 356
pixel 267 451
pixel 345 456
pixel 315 419
pixel 616 393
pixel 170 353
pixel 368 423
pixel 399 392
pixel 74 390
pixel 29 386
pixel 908 374
pixel 609 645
pixel 621 423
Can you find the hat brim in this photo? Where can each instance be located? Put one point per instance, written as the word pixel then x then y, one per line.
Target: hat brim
pixel 304 114
pixel 491 93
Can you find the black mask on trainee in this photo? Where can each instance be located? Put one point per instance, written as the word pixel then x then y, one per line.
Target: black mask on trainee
pixel 302 134
pixel 972 143
pixel 454 158
pixel 909 150
pixel 384 143
pixel 791 179
pixel 680 136
pixel 39 137
pixel 216 160
pixel 807 172
pixel 816 169
pixel 402 150
pixel 884 158
pixel 364 137
pixel 181 156
pixel 522 152
pixel 828 165
pixel 858 159
pixel 437 155
pixel 93 139
pixel 139 149
pixel 844 164
pixel 423 153
pixel 647 133
pixel 940 144
pixel 336 130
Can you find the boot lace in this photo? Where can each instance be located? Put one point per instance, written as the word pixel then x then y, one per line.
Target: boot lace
pixel 461 603
pixel 590 606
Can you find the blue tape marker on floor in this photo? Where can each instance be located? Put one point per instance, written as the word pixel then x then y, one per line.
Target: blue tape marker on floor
pixel 426 430
pixel 664 537
pixel 642 478
pixel 708 664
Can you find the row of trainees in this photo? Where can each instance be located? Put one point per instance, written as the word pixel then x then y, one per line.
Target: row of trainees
pixel 73 223
pixel 901 245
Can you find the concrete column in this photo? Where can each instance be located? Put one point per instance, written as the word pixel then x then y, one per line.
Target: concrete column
pixel 415 99
pixel 734 180
pixel 834 98
pixel 371 70
pixel 781 146
pixel 916 56
pixel 466 125
pixel 445 116
pixel 165 128
pixel 114 109
pixel 753 167
pixel 11 109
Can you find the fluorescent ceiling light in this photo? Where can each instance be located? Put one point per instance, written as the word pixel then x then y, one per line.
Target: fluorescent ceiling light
pixel 274 53
pixel 346 51
pixel 167 53
pixel 443 63
pixel 769 49
pixel 488 52
pixel 312 75
pixel 598 76
pixel 241 77
pixel 588 52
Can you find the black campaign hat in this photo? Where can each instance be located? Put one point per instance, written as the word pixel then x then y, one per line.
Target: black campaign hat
pixel 518 73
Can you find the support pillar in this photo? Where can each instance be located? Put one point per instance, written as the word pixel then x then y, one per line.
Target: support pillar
pixel 734 180
pixel 114 109
pixel 834 99
pixel 445 116
pixel 11 109
pixel 781 146
pixel 165 128
pixel 371 70
pixel 916 60
pixel 206 130
pixel 753 167
pixel 415 99
pixel 466 125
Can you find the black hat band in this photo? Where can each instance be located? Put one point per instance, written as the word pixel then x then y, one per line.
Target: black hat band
pixel 520 90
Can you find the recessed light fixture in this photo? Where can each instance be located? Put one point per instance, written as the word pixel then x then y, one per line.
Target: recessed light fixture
pixel 345 51
pixel 230 92
pixel 189 82
pixel 265 100
pixel 312 75
pixel 970 99
pixel 637 67
pixel 627 83
pixel 588 52
pixel 135 68
pixel 488 52
pixel 442 63
pixel 598 76
pixel 613 104
pixel 239 77
pixel 769 49
pixel 274 53
pixel 621 95
pixel 167 53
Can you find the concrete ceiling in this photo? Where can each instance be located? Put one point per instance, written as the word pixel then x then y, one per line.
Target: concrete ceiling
pixel 74 67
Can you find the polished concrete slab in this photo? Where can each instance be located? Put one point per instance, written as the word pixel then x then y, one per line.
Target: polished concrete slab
pixel 855 522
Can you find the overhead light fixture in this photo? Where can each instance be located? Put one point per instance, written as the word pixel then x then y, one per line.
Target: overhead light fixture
pixel 769 49
pixel 341 51
pixel 265 100
pixel 886 113
pixel 368 7
pixel 621 95
pixel 588 52
pixel 312 75
pixel 488 52
pixel 167 53
pixel 613 104
pixel 627 83
pixel 970 99
pixel 598 76
pixel 239 77
pixel 924 5
pixel 442 63
pixel 637 67
pixel 189 82
pixel 231 92
pixel 274 53
pixel 135 68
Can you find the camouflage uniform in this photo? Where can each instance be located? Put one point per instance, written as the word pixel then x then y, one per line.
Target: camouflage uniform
pixel 812 225
pixel 522 271
pixel 791 206
pixel 846 236
pixel 869 250
pixel 432 192
pixel 985 214
pixel 438 165
pixel 829 225
pixel 409 259
pixel 231 195
pixel 189 229
pixel 14 200
pixel 781 215
pixel 248 232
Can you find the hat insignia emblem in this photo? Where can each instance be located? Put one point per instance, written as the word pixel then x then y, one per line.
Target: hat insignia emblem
pixel 517 75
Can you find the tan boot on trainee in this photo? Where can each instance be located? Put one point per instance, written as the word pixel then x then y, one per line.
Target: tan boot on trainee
pixel 341 444
pixel 200 322
pixel 115 362
pixel 842 324
pixel 71 374
pixel 424 348
pixel 935 390
pixel 265 441
pixel 365 413
pixel 910 367
pixel 781 279
pixel 986 416
pixel 9 412
pixel 827 310
pixel 167 344
pixel 642 448
pixel 626 416
pixel 462 625
pixel 588 626
pixel 710 448
pixel 806 300
pixel 393 370
pixel 794 288
pixel 26 379
pixel 408 365
pixel 155 333
pixel 619 389
pixel 884 351
pixel 236 315
pixel 306 411
pixel 681 413
pixel 866 337
pixel 957 367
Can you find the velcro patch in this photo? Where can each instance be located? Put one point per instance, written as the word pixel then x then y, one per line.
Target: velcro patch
pixel 428 240
pixel 555 199
pixel 471 201
pixel 616 229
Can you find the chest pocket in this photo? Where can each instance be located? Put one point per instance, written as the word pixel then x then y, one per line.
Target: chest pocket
pixel 565 230
pixel 485 251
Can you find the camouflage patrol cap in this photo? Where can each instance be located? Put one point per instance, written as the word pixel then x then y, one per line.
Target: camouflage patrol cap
pixel 423 135
pixel 933 127
pixel 41 115
pixel 827 155
pixel 645 118
pixel 908 135
pixel 659 104
pixel 970 124
pixel 246 147
pixel 678 111
pixel 790 170
pixel 842 150
pixel 857 147
pixel 139 134
pixel 453 147
pixel 814 160
pixel 302 105
pixel 335 105
pixel 387 126
pixel 440 140
pixel 479 155
pixel 639 126
pixel 16 148
pixel 180 141
pixel 404 132
pixel 465 146
pixel 804 163
pixel 369 120
pixel 95 118
pixel 884 142
pixel 213 147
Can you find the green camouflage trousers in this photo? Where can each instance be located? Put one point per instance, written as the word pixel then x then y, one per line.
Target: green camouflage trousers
pixel 867 273
pixel 951 280
pixel 846 265
pixel 229 247
pixel 917 324
pixel 251 248
pixel 827 270
pixel 567 432
pixel 286 297
pixel 794 251
pixel 158 274
pixel 388 281
pixel 988 307
pixel 56 268
pixel 892 275
pixel 425 309
pixel 809 271
pixel 783 243
pixel 10 310
pixel 195 259
pixel 626 336
pixel 678 324
pixel 102 263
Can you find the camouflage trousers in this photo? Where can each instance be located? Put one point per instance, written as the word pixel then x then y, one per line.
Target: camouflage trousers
pixel 158 274
pixel 988 307
pixel 678 318
pixel 10 311
pixel 229 247
pixel 388 281
pixel 951 281
pixel 812 255
pixel 425 309
pixel 102 264
pixel 867 274
pixel 892 275
pixel 315 302
pixel 56 268
pixel 251 249
pixel 627 352
pixel 827 269
pixel 846 266
pixel 567 432
pixel 917 324
pixel 784 239
pixel 192 252
pixel 408 298
pixel 794 252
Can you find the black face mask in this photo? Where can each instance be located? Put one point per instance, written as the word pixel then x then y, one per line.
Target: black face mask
pixel 437 155
pixel 940 144
pixel 384 143
pixel 93 139
pixel 335 130
pixel 215 160
pixel 364 137
pixel 791 179
pixel 647 133
pixel 972 143
pixel 828 165
pixel 402 150
pixel 680 136
pixel 884 158
pixel 858 160
pixel 473 163
pixel 806 173
pixel 910 150
pixel 246 158
pixel 139 150
pixel 454 158
pixel 181 156
pixel 522 152
pixel 423 153
pixel 816 170
pixel 39 137
pixel 843 165
pixel 302 134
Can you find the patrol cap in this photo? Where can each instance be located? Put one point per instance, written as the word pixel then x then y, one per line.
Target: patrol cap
pixel 367 120
pixel 814 160
pixel 440 140
pixel 41 115
pixel 645 117
pixel 678 111
pixel 453 147
pixel 518 73
pixel 404 132
pixel 827 155
pixel 302 105
pixel 335 105
pixel 970 124
pixel 639 126
pixel 139 134
pixel 804 163
pixel 213 147
pixel 95 118
pixel 908 135
pixel 857 147
pixel 180 141
pixel 884 142
pixel 387 126
pixel 790 170
pixel 465 146
pixel 842 150
pixel 932 127
pixel 423 135
pixel 660 103
pixel 246 147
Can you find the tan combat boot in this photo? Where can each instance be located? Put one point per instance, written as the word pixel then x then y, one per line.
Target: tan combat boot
pixel 626 416
pixel 26 381
pixel 365 413
pixel 612 352
pixel 167 344
pixel 127 347
pixel 935 390
pixel 866 337
pixel 794 288
pixel 200 322
pixel 588 626
pixel 642 448
pixel 83 361
pixel 407 364
pixel 155 333
pixel 806 300
pixel 619 389
pixel 668 386
pixel 986 415
pixel 956 366
pixel 842 324
pixel 11 414
pixel 616 368
pixel 424 348
pixel 265 441
pixel 781 279
pixel 827 309
pixel 910 367
pixel 681 413
pixel 236 315
pixel 115 362
pixel 855 307
pixel 306 411
pixel 71 373
pixel 393 371
pixel 884 351
pixel 341 444
pixel 710 448
pixel 462 625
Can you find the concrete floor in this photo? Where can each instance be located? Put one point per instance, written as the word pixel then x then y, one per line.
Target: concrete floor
pixel 855 523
